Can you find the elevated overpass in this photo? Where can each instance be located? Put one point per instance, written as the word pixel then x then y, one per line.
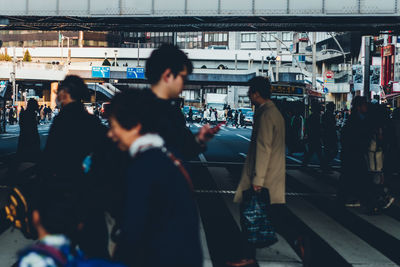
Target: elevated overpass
pixel 193 15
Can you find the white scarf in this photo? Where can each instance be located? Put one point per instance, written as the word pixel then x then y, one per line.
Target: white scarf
pixel 145 142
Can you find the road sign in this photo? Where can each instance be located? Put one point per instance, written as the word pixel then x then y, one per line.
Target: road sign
pixel 329 74
pixel 100 72
pixel 329 77
pixel 135 73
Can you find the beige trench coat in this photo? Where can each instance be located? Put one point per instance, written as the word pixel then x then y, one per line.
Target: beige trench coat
pixel 265 163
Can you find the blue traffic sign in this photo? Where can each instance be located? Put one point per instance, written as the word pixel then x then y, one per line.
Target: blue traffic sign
pixel 135 73
pixel 100 72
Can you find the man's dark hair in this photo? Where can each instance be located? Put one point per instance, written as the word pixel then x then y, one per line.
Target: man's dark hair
pixel 132 107
pixel 60 210
pixel 166 57
pixel 75 86
pixel 261 85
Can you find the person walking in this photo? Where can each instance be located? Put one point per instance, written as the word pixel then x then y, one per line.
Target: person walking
pixel 166 71
pixel 355 141
pixel 329 135
pixel 160 226
pixel 240 119
pixel 265 162
pixel 28 149
pixel 313 135
pixel 190 116
pixel 75 138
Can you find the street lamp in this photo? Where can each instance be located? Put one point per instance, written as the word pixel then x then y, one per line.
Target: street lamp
pixel 115 58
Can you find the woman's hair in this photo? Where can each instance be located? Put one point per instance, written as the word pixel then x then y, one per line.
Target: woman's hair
pixel 32 105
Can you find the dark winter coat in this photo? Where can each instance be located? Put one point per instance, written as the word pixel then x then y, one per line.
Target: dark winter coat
pixel 161 223
pixel 28 141
pixel 172 128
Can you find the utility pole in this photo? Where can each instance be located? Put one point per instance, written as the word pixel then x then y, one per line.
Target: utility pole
pixel 367 64
pixel 314 61
pixel 138 54
pixel 278 57
pixel 14 62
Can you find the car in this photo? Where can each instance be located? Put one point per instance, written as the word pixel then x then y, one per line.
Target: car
pixel 197 116
pixel 248 118
pixel 89 107
pixel 104 109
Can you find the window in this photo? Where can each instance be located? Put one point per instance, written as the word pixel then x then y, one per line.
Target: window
pixel 248 37
pixel 268 37
pixel 225 37
pixel 287 36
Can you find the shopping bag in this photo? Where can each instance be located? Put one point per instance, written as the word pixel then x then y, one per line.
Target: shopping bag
pixel 255 219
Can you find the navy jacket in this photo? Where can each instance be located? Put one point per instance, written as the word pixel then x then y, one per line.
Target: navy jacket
pixel 161 224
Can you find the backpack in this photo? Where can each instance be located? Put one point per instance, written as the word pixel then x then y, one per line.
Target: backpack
pixel 64 258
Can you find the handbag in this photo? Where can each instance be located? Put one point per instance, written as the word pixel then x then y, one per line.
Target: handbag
pixel 255 219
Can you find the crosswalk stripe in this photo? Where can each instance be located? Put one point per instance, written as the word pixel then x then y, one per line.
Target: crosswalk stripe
pixel 245 138
pixel 352 248
pixel 294 159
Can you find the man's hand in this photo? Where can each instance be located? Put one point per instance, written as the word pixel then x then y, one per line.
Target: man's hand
pixel 257 188
pixel 206 133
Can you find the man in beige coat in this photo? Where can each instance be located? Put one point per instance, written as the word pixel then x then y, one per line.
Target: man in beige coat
pixel 265 162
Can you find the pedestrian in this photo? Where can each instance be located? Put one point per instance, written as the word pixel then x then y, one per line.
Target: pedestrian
pixel 166 71
pixel 240 119
pixel 329 135
pixel 28 149
pixel 75 138
pixel 265 162
pixel 296 130
pixel 395 147
pixel 160 226
pixel 313 134
pixel 55 218
pixel 11 116
pixel 229 115
pixel 355 142
pixel 190 116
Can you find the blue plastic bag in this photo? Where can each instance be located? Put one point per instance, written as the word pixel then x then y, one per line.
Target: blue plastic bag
pixel 255 219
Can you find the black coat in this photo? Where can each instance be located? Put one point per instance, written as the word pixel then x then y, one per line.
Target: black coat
pixel 161 224
pixel 74 135
pixel 28 141
pixel 172 128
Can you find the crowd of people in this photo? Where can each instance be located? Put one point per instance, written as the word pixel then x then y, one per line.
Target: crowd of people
pixel 136 170
pixel 365 139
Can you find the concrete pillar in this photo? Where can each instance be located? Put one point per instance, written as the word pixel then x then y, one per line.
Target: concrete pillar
pixel 258 41
pixel 53 94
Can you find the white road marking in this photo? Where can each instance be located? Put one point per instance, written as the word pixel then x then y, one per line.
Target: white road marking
pixel 245 138
pixel 337 160
pixel 8 137
pixel 294 159
pixel 202 158
pixel 243 155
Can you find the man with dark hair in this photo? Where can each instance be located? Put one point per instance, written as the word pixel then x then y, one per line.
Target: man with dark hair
pixel 265 162
pixel 55 218
pixel 160 223
pixel 166 71
pixel 75 138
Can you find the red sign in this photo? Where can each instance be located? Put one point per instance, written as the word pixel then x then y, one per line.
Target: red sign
pixel 329 75
pixel 388 50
